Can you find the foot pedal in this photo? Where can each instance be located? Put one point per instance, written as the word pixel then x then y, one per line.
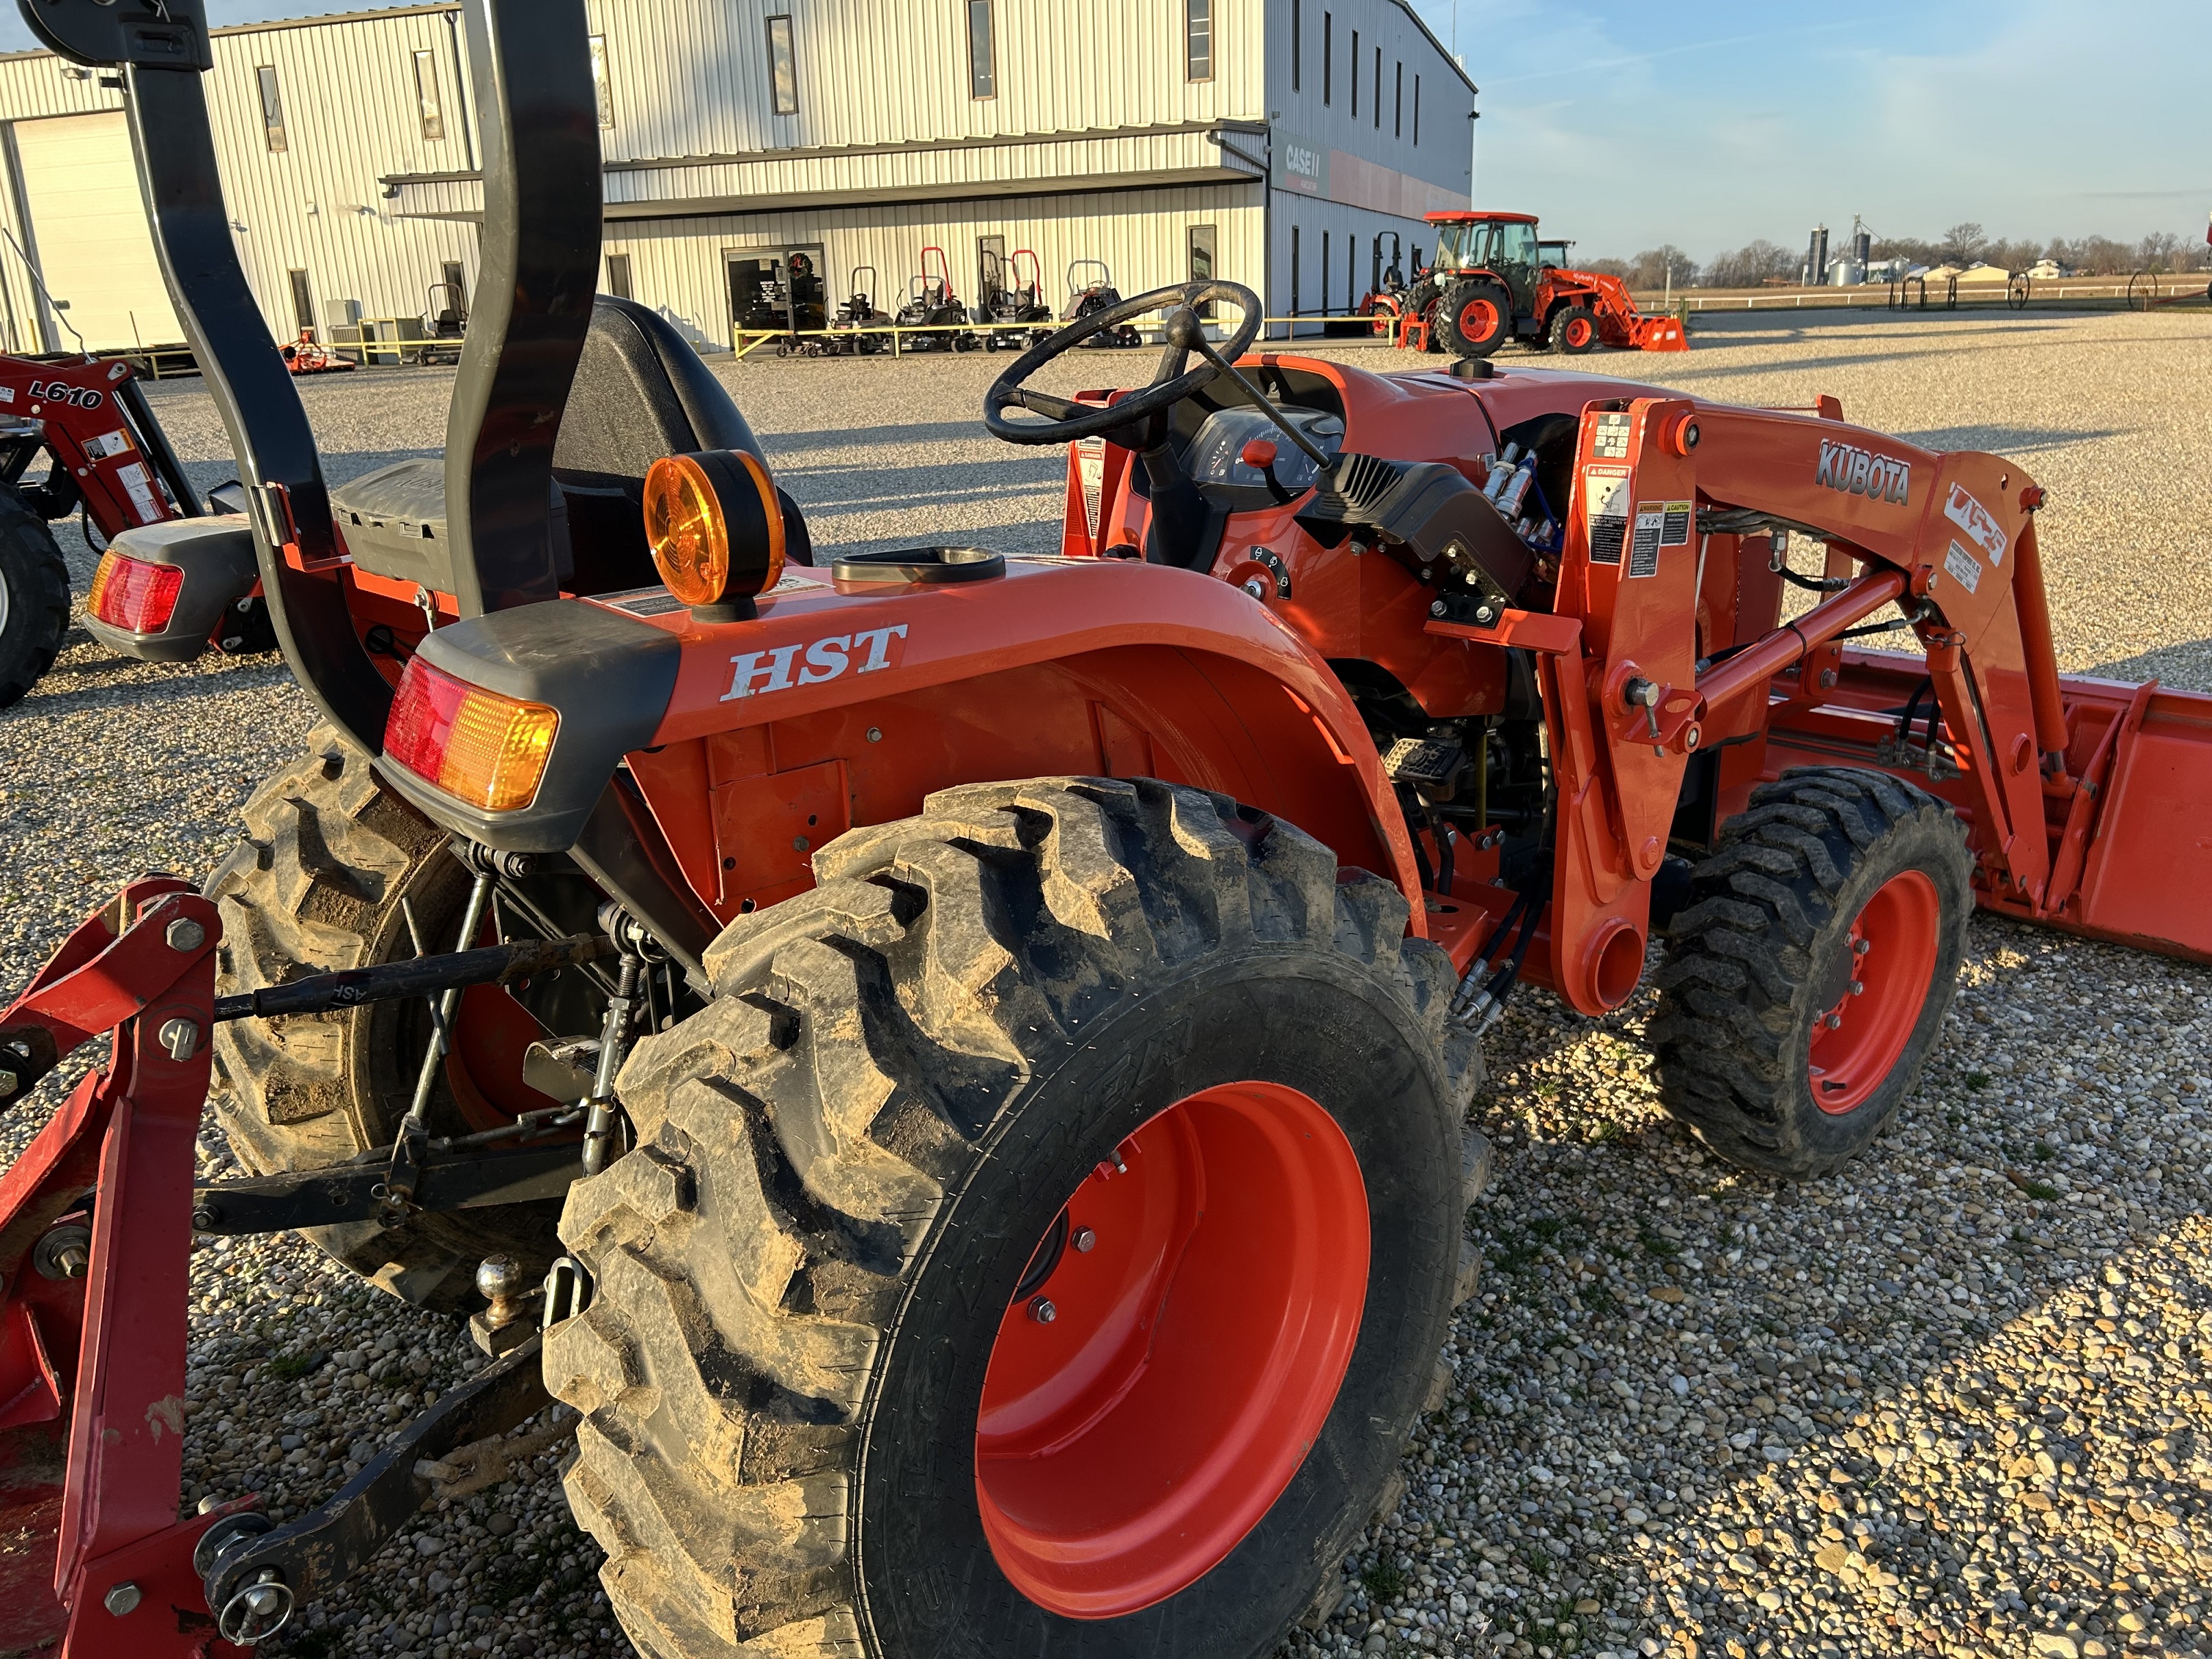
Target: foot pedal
pixel 1431 765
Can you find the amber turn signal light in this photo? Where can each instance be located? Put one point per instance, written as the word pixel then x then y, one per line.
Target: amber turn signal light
pixel 715 526
pixel 473 745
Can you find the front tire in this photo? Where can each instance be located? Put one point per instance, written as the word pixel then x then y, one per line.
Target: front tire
pixel 1475 317
pixel 34 597
pixel 1809 975
pixel 852 1186
pixel 1574 331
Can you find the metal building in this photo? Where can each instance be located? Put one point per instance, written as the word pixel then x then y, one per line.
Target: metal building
pixel 1292 145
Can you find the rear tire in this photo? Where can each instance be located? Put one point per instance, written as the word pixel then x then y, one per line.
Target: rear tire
pixel 34 597
pixel 1474 318
pixel 845 1163
pixel 317 887
pixel 1827 859
pixel 1574 331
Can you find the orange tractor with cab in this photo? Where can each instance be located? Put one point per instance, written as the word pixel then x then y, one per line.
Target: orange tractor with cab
pixel 1494 281
pixel 956 1064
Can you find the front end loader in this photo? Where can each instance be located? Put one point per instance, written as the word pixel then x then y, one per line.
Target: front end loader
pixel 973 1051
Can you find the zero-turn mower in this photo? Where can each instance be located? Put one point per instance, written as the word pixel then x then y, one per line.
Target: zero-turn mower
pixel 977 1046
pixel 931 303
pixel 1014 292
pixel 1091 290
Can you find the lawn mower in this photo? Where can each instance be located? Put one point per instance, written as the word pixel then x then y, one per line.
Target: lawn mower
pixel 1384 302
pixel 308 355
pixel 858 313
pixel 1494 281
pixel 931 303
pixel 978 1045
pixel 1008 298
pixel 1091 290
pixel 106 457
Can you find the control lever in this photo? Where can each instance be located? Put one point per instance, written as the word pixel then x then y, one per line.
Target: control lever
pixel 1260 455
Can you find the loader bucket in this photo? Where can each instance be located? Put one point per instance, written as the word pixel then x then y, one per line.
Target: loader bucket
pixel 1659 334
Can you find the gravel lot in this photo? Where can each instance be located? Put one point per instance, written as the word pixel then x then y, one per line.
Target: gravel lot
pixel 1958 1400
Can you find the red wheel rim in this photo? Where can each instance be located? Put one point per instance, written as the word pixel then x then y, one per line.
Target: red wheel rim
pixel 1196 1340
pixel 1478 318
pixel 1579 332
pixel 1892 945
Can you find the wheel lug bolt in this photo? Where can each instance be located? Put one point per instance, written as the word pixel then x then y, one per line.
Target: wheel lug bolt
pixel 1085 1240
pixel 1832 1021
pixel 1860 946
pixel 1858 987
pixel 1042 1311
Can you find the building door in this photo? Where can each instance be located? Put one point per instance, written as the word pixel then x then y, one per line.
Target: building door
pixel 775 290
pixel 303 301
pixel 88 235
pixel 452 289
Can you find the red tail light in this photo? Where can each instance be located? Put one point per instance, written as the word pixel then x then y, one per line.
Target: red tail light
pixel 135 596
pixel 474 744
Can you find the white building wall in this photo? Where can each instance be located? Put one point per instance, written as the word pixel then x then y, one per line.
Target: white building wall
pixel 348 90
pixel 691 77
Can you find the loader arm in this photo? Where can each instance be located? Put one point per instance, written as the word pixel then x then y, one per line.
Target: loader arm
pixel 1676 506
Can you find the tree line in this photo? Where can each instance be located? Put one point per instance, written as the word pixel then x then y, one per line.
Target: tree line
pixel 1760 262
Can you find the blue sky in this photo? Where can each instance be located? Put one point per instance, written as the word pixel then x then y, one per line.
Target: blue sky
pixel 1706 124
pixel 1625 124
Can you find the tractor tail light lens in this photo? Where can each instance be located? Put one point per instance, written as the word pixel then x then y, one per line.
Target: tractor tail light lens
pixel 474 745
pixel 135 596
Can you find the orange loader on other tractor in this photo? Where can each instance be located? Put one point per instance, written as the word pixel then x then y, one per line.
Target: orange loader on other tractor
pixel 1490 284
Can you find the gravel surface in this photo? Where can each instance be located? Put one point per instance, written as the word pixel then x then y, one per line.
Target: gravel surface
pixel 1956 1399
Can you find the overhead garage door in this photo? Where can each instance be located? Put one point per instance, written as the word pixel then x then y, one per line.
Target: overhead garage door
pixel 89 225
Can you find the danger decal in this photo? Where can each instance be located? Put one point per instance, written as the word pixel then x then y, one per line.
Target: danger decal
pixel 1856 471
pixel 1605 491
pixel 1980 525
pixel 754 673
pixel 1963 567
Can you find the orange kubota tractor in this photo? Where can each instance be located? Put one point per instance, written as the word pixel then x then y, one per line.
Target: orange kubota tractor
pixel 1491 282
pixel 978 1045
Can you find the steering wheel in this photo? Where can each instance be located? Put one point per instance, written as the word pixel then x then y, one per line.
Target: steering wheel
pixel 1173 382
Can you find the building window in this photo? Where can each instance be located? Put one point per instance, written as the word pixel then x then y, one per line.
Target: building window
pixel 303 302
pixel 272 108
pixel 1198 241
pixel 618 276
pixel 782 67
pixel 1297 45
pixel 1378 88
pixel 1294 271
pixel 1328 55
pixel 427 101
pixel 599 89
pixel 1417 109
pixel 1198 39
pixel 1355 74
pixel 982 61
pixel 1398 105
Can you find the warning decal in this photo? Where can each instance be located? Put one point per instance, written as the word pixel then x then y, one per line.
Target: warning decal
pixel 112 443
pixel 1677 530
pixel 139 487
pixel 1604 489
pixel 1965 569
pixel 1090 469
pixel 1979 522
pixel 1643 551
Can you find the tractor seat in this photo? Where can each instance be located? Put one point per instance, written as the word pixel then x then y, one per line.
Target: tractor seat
pixel 640 393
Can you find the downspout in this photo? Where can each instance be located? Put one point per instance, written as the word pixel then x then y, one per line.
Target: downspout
pixel 461 85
